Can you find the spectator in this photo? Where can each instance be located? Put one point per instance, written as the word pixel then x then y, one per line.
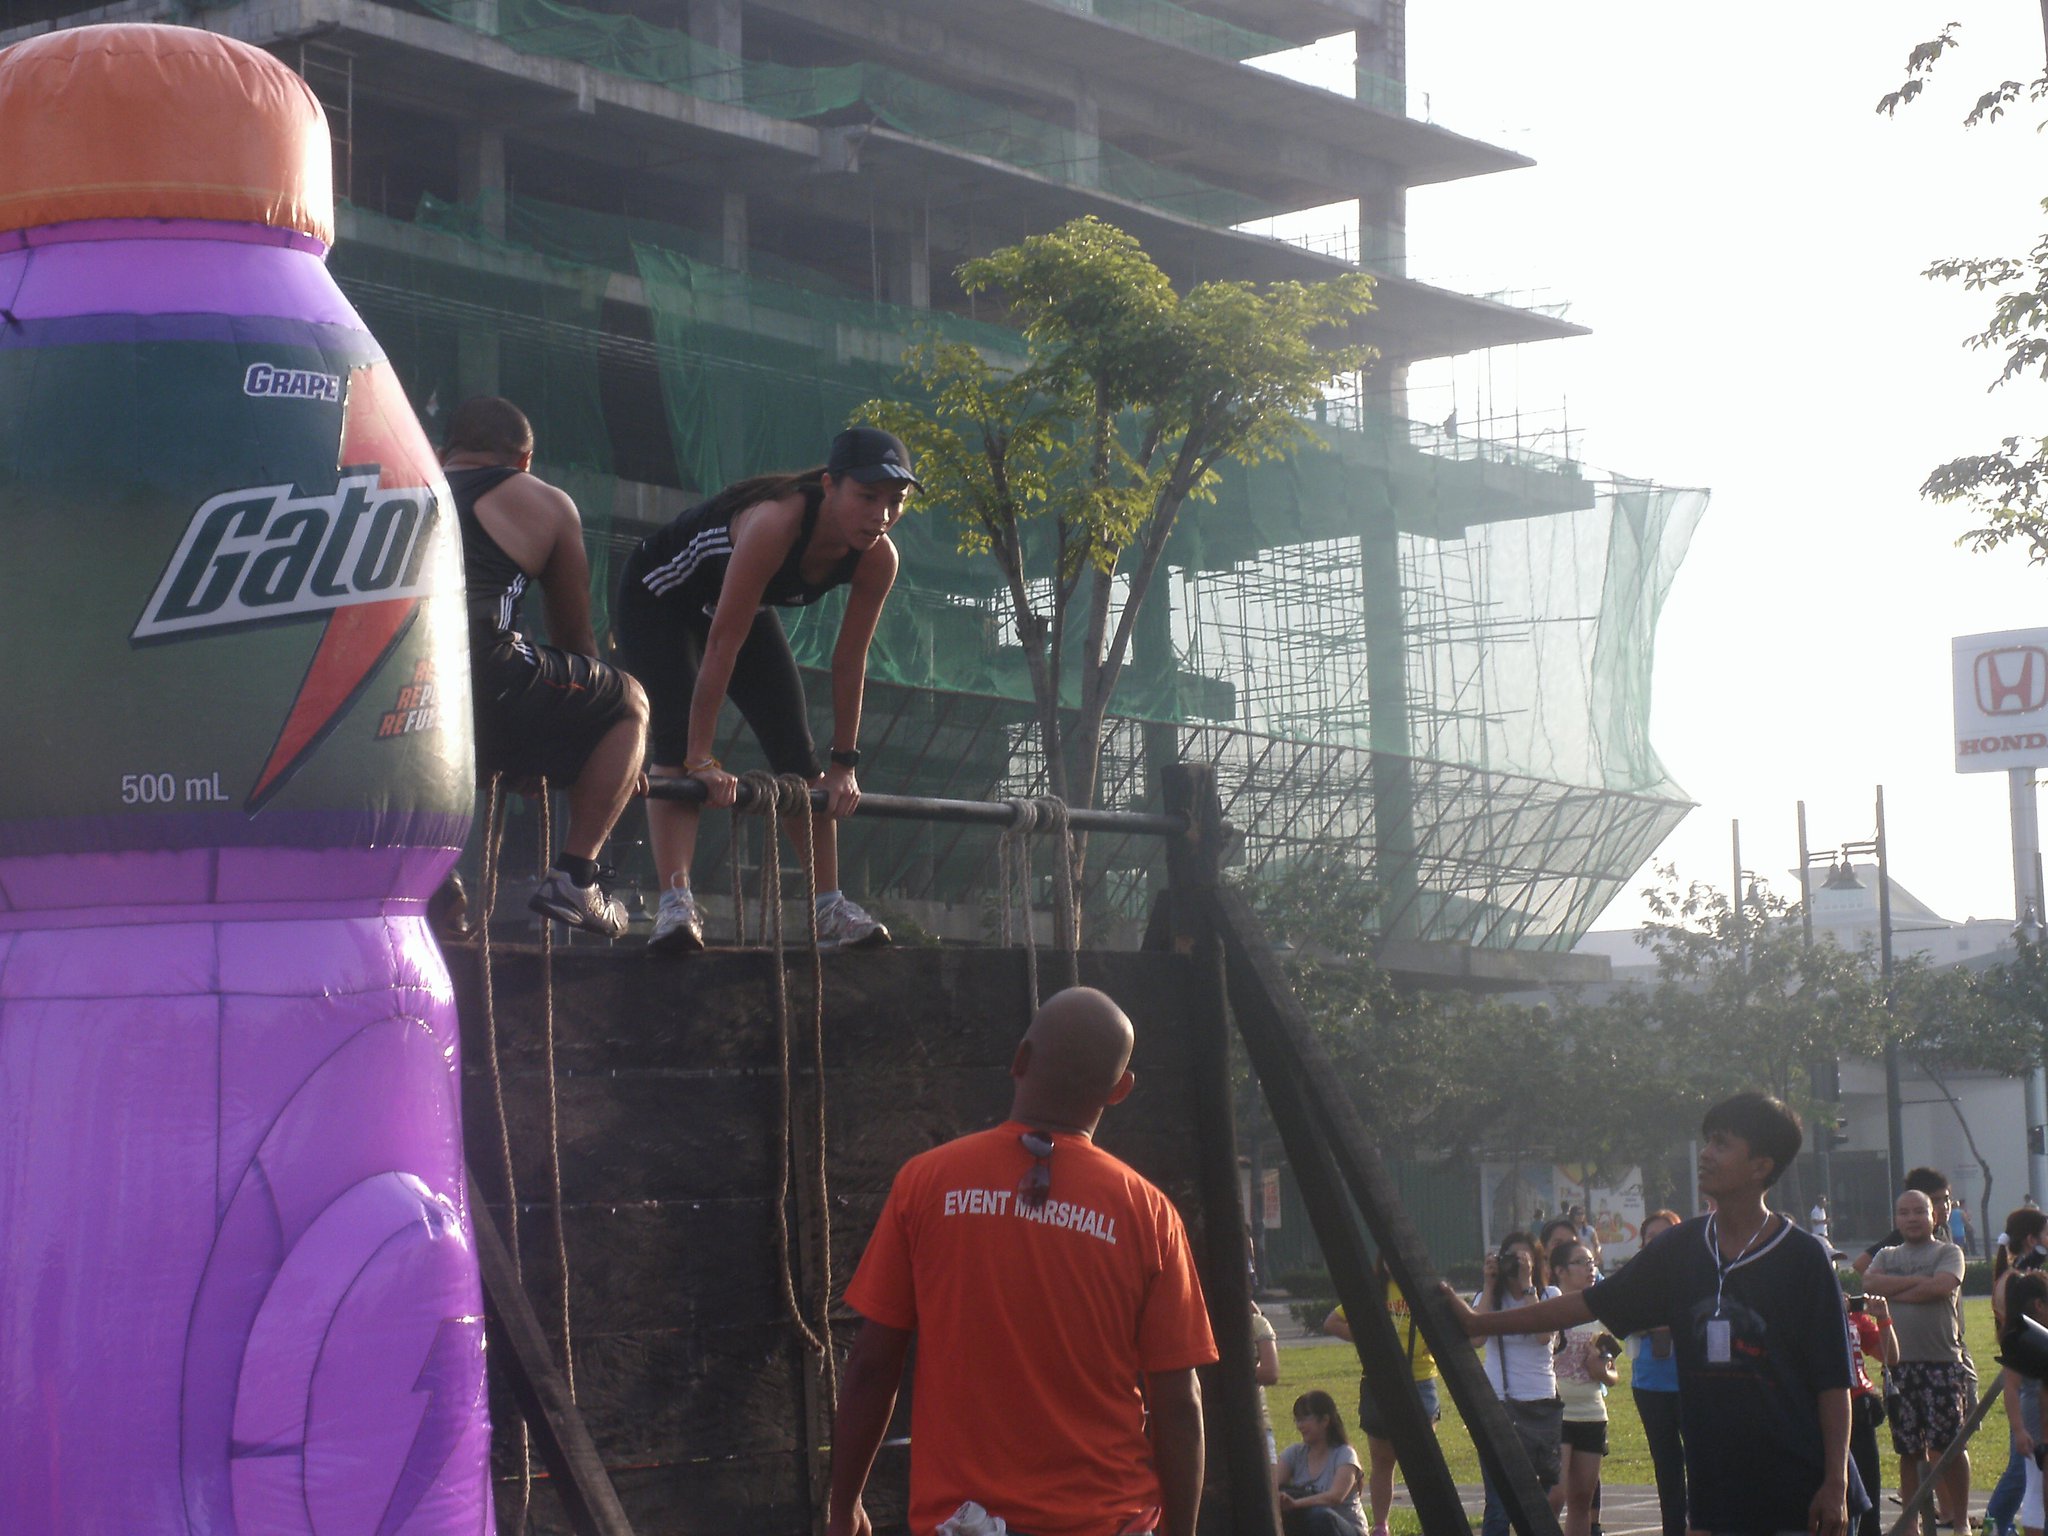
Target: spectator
pixel 2021 1248
pixel 1317 1478
pixel 1585 1370
pixel 1559 1229
pixel 1519 1367
pixel 1755 1311
pixel 1932 1183
pixel 2027 1296
pixel 1653 1377
pixel 1588 1234
pixel 1265 1369
pixel 1922 1278
pixel 1870 1334
pixel 1372 1419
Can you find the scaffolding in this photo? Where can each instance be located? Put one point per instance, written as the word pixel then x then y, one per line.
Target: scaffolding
pixel 1423 650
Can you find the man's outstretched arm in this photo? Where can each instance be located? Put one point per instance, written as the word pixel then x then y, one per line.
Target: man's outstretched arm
pixel 1537 1317
pixel 867 1396
pixel 1175 1401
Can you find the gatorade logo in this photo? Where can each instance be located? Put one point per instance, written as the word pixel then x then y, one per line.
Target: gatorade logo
pixel 269 553
pixel 362 556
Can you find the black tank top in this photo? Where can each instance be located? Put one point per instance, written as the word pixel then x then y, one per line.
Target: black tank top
pixel 687 560
pixel 493 585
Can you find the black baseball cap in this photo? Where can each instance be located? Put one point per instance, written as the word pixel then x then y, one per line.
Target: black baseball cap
pixel 869 454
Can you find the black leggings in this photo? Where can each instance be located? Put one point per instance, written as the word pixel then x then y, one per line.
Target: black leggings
pixel 662 641
pixel 1659 1413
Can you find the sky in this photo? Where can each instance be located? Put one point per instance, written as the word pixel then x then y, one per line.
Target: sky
pixel 1716 197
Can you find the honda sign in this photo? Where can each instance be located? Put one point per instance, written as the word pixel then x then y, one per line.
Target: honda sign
pixel 2001 701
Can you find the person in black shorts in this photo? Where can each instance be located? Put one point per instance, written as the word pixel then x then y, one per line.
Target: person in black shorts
pixel 697 624
pixel 541 710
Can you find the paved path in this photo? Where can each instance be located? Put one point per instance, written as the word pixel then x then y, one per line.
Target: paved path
pixel 1631 1509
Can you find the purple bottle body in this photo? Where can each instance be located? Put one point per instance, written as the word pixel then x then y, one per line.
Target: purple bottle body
pixel 238 1292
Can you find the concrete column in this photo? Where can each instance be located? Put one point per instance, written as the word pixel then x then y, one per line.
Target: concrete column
pixel 1086 170
pixel 733 231
pixel 716 24
pixel 480 181
pixel 1383 223
pixel 907 268
pixel 2026 901
pixel 1386 687
pixel 480 173
pixel 1153 659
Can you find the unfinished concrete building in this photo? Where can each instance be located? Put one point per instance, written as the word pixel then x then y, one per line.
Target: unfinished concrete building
pixel 690 237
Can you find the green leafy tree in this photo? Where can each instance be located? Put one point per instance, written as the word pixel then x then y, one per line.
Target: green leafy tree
pixel 2007 488
pixel 1948 1020
pixel 1071 469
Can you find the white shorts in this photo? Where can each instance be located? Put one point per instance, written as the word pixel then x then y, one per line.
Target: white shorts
pixel 2030 1501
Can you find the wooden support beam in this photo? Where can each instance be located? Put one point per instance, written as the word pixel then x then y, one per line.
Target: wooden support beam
pixel 540 1390
pixel 1192 864
pixel 1302 1087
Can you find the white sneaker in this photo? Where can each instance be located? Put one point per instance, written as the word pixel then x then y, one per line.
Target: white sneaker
pixel 678 925
pixel 843 925
pixel 589 907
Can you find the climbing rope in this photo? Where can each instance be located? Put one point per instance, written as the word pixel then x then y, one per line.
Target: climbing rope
pixel 771 798
pixel 494 812
pixel 1013 872
pixel 547 1003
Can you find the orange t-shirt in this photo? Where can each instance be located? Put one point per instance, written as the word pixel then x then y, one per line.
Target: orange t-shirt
pixel 1034 1329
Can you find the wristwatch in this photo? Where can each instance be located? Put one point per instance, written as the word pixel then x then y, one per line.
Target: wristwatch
pixel 850 758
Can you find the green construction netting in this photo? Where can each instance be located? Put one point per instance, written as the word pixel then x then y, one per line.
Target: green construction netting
pixel 626 45
pixel 450 329
pixel 1522 599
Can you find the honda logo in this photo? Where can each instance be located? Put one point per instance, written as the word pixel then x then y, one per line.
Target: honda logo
pixel 2012 680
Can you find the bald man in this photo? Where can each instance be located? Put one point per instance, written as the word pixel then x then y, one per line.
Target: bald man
pixel 1057 1311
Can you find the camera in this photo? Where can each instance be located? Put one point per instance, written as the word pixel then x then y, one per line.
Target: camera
pixel 1608 1345
pixel 1856 1304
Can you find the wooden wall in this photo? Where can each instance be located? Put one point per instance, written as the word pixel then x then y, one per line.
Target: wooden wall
pixel 691 1377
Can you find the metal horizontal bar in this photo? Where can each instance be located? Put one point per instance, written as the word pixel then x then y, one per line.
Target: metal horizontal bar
pixel 984 813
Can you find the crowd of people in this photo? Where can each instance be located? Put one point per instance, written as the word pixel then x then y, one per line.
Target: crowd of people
pixel 1760 1386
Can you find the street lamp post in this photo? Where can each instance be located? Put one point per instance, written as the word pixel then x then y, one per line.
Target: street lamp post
pixel 1842 873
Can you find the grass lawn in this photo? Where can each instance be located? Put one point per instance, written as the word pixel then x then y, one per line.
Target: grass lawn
pixel 1334 1368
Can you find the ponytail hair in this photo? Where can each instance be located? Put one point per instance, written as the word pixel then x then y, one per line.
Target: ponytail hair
pixel 2021 1228
pixel 755 489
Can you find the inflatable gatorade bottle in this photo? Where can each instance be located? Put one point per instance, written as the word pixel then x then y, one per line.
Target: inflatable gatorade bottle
pixel 237 1289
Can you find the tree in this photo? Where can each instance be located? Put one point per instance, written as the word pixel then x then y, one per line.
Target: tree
pixel 1948 1020
pixel 2006 488
pixel 1071 470
pixel 1749 1003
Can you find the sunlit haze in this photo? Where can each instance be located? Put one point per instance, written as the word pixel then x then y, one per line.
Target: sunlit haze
pixel 1716 197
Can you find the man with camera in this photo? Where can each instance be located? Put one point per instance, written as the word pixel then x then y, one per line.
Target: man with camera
pixel 1922 1278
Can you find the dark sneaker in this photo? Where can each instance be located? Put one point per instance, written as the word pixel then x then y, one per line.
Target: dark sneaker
pixel 843 925
pixel 678 926
pixel 589 907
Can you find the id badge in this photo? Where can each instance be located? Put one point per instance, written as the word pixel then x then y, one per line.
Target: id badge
pixel 1717 1341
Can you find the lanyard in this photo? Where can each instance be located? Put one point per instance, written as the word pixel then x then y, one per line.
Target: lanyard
pixel 1721 1267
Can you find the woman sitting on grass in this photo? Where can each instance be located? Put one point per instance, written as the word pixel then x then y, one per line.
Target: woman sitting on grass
pixel 1318 1477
